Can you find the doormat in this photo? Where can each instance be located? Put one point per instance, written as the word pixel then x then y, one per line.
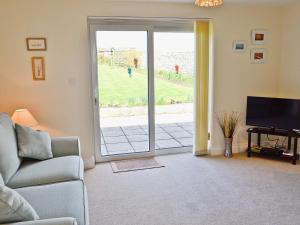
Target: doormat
pixel 134 164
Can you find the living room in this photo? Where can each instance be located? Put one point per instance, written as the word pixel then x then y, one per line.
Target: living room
pixel 63 105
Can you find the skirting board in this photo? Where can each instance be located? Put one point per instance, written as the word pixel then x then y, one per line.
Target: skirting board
pixel 89 163
pixel 235 149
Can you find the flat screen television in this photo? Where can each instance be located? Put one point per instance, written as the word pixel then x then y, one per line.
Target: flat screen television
pixel 276 113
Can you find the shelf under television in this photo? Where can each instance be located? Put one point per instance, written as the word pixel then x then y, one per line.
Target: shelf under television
pixel 274 152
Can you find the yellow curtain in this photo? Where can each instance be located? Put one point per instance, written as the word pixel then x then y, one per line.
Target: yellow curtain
pixel 201 29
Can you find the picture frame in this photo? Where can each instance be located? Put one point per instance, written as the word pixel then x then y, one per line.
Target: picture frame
pixel 239 46
pixel 38 68
pixel 258 56
pixel 259 37
pixel 36 44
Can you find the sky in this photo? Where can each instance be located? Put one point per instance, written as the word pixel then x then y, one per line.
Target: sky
pixel 163 42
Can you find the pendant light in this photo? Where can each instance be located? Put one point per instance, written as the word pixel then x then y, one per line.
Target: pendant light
pixel 208 3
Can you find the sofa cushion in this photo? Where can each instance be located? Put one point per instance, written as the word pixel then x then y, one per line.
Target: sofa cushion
pixel 54 170
pixel 54 221
pixel 13 207
pixel 65 199
pixel 33 144
pixel 9 159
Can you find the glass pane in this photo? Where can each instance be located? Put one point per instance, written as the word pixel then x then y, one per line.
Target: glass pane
pixel 174 82
pixel 123 91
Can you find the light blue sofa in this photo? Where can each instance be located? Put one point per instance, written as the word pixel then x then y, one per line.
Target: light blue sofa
pixel 54 187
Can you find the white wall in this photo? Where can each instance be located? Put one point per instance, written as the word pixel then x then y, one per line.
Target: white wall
pixel 289 79
pixel 62 103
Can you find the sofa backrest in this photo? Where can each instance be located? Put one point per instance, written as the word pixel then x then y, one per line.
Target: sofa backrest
pixel 1 180
pixel 9 159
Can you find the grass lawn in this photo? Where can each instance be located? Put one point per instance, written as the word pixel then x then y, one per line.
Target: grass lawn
pixel 117 89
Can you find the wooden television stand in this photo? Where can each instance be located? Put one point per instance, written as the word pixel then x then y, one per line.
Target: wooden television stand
pixel 278 152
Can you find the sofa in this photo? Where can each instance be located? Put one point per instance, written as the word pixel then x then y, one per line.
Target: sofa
pixel 54 188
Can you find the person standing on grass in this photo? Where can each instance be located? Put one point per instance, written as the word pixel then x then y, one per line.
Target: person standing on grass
pixel 129 70
pixel 136 62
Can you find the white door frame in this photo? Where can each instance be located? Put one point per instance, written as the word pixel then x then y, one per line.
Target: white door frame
pixel 93 28
pixel 131 23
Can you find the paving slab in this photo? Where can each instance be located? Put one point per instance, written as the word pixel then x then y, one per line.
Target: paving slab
pixel 131 127
pixel 105 129
pixel 191 131
pixel 110 133
pixel 162 136
pixel 181 134
pixel 119 147
pixel 139 146
pixel 159 130
pixel 163 125
pixel 129 139
pixel 185 124
pixel 185 141
pixel 115 140
pixel 138 137
pixel 173 129
pixel 134 132
pixel 171 143
pixel 188 128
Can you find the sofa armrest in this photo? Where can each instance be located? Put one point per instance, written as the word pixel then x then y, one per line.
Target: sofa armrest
pixel 65 146
pixel 54 221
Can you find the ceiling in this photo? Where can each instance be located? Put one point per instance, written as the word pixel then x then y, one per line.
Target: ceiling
pixel 273 2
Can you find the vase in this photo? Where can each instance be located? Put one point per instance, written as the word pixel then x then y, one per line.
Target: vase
pixel 228 148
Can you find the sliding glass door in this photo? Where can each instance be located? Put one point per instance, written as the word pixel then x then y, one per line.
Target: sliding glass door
pixel 123 91
pixel 174 89
pixel 142 87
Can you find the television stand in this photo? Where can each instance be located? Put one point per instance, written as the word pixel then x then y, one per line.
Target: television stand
pixel 276 152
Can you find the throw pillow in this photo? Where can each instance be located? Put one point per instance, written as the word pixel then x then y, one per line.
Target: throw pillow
pixel 33 144
pixel 14 208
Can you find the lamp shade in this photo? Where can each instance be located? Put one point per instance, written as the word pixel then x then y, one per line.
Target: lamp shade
pixel 24 117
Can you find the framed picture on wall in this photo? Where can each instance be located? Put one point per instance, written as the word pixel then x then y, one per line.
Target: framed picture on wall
pixel 239 46
pixel 259 37
pixel 258 55
pixel 38 68
pixel 36 44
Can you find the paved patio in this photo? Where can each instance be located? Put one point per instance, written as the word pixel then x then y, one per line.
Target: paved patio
pixel 130 139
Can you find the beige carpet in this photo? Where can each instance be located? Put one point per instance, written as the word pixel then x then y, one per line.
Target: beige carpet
pixel 197 191
pixel 134 164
